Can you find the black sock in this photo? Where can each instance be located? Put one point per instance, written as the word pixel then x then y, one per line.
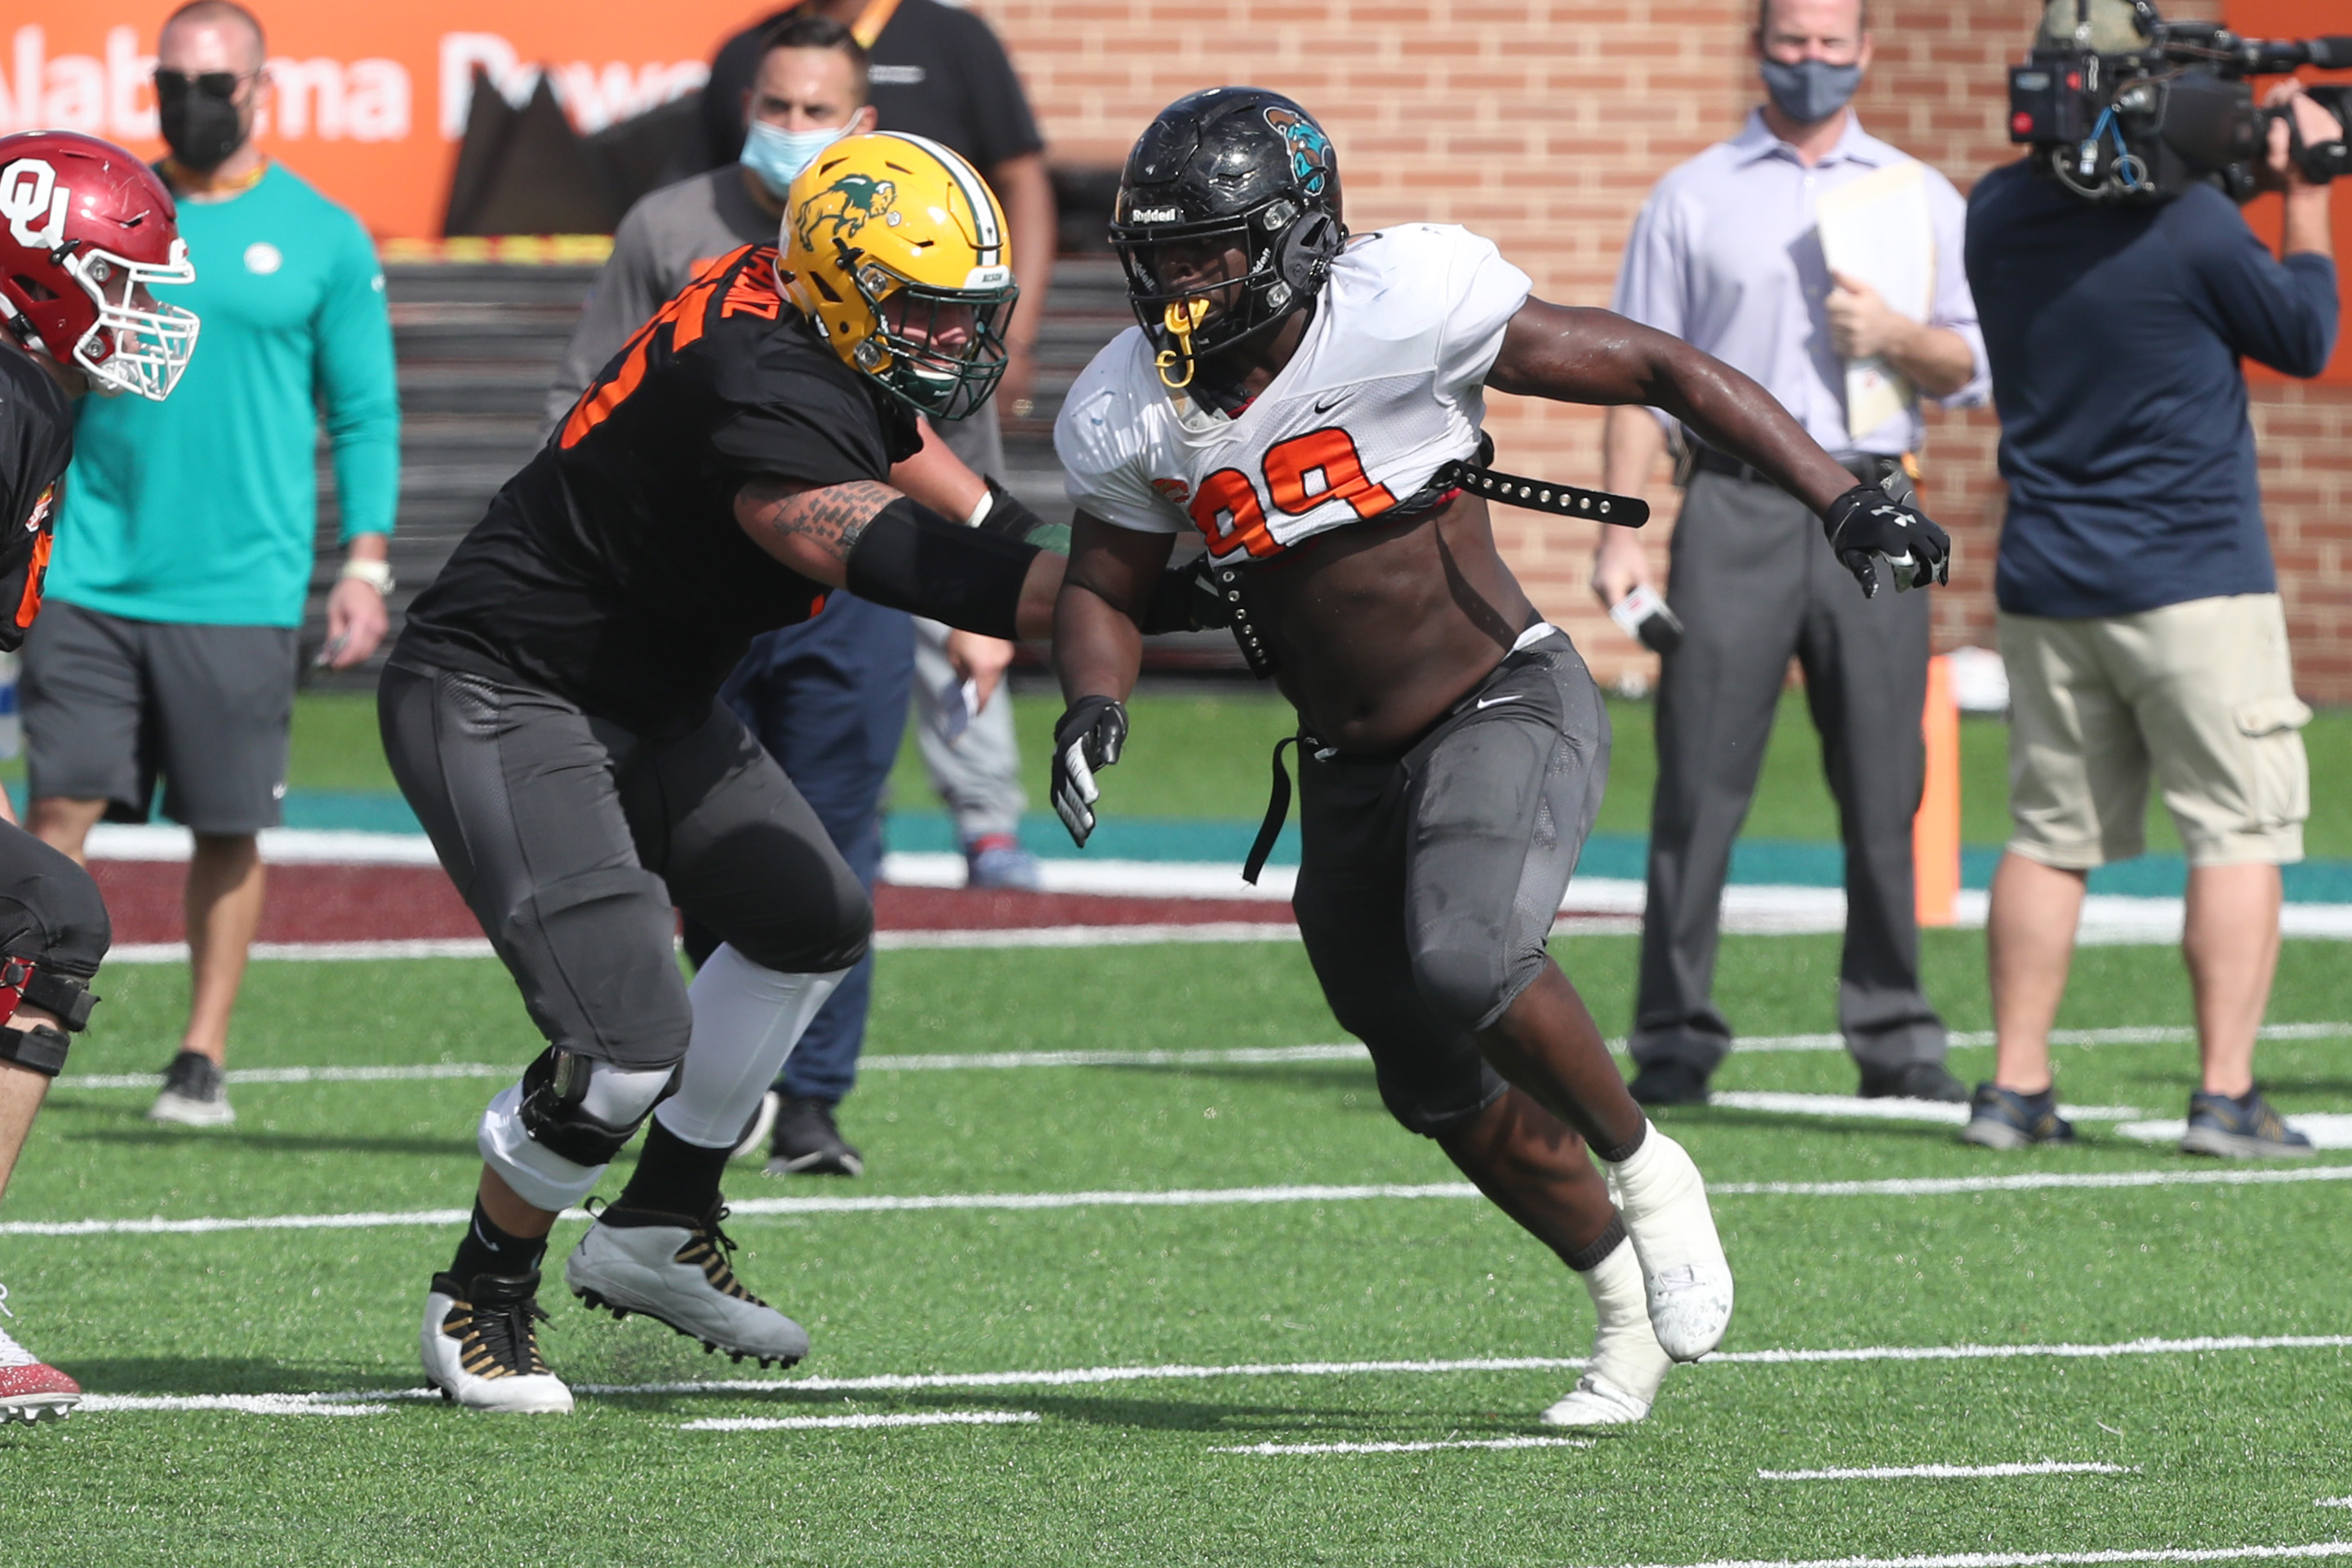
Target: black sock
pixel 1595 1251
pixel 673 1175
pixel 487 1249
pixel 1626 1150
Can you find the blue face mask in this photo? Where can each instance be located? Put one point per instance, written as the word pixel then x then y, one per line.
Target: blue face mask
pixel 777 156
pixel 1810 90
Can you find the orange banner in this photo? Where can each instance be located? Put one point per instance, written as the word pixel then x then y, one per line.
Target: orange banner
pixel 369 101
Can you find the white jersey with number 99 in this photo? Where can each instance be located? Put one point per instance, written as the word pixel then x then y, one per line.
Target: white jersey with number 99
pixel 1386 386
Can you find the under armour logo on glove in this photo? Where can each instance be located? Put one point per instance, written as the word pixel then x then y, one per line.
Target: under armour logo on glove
pixel 1089 737
pixel 1865 523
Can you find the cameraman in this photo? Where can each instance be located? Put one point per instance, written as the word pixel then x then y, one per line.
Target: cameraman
pixel 2139 612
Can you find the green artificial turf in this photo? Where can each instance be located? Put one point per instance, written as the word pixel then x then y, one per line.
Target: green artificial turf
pixel 2222 1448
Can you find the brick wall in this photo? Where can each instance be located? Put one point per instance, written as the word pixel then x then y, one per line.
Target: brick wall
pixel 1543 126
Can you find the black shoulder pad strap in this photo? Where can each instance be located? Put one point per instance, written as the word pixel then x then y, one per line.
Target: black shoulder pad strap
pixel 1543 496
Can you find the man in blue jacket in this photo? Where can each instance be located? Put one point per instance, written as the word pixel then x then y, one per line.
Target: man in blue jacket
pixel 2139 611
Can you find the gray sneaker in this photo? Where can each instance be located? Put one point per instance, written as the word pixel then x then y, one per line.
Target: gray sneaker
pixel 195 1094
pixel 2246 1128
pixel 2003 1119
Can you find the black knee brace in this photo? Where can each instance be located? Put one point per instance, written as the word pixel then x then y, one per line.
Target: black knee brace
pixel 25 983
pixel 553 1088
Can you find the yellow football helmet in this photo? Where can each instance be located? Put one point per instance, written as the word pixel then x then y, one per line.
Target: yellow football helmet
pixel 897 249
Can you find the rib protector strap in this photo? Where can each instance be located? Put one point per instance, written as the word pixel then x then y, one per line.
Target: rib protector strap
pixel 70 998
pixel 40 1049
pixel 555 1112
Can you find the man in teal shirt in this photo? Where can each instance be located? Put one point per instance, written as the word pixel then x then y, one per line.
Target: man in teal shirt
pixel 184 551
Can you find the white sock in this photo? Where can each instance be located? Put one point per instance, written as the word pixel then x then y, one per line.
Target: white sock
pixel 1625 1349
pixel 746 1022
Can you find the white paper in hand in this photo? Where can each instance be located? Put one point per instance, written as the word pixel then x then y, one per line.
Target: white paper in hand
pixel 1878 229
pixel 959 702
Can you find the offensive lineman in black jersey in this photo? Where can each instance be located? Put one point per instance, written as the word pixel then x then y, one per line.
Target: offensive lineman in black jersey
pixel 85 228
pixel 549 713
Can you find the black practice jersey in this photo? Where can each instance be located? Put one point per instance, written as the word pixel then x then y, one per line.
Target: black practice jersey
pixel 610 571
pixel 35 444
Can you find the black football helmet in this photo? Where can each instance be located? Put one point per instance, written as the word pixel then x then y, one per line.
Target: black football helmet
pixel 1238 165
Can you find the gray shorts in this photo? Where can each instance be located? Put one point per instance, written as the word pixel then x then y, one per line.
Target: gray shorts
pixel 573 839
pixel 1428 883
pixel 111 704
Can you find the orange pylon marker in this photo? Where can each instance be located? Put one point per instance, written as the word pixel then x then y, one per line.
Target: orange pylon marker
pixel 1936 829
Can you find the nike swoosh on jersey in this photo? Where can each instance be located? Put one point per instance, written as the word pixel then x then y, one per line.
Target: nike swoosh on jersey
pixel 1327 407
pixel 1486 703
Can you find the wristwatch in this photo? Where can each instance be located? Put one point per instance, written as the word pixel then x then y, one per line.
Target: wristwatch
pixel 376 574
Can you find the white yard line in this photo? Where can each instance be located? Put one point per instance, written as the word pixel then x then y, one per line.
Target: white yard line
pixel 861 1422
pixel 1409 1447
pixel 1199 1197
pixel 242 1403
pixel 1246 1056
pixel 1951 1472
pixel 2332 1502
pixel 2326 1130
pixel 370 1401
pixel 2037 1559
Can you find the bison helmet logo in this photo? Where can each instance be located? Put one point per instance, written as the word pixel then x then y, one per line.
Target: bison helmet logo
pixel 844 208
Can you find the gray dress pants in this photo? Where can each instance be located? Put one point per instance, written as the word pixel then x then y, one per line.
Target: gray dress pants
pixel 1755 583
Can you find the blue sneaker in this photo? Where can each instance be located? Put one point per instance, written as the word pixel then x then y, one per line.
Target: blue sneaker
pixel 998 861
pixel 2245 1128
pixel 2003 1119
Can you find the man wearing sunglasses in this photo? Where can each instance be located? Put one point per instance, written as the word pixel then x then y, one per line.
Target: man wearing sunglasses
pixel 184 549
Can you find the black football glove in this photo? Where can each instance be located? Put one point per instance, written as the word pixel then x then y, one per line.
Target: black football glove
pixel 1185 599
pixel 1009 515
pixel 1866 522
pixel 1091 731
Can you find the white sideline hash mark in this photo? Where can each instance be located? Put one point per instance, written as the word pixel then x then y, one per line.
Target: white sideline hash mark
pixel 867 1419
pixel 2038 1559
pixel 1199 1197
pixel 1408 1447
pixel 1950 1472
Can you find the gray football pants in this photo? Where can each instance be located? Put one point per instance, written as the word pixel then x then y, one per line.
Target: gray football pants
pixel 571 838
pixel 1754 584
pixel 1428 883
pixel 978 774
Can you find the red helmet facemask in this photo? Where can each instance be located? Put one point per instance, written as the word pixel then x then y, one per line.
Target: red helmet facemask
pixel 85 230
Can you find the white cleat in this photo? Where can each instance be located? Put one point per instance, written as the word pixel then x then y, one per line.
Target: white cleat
pixel 481 1345
pixel 1622 1379
pixel 1664 1199
pixel 674 1270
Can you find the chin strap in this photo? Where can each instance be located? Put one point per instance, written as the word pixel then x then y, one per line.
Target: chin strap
pixel 1181 320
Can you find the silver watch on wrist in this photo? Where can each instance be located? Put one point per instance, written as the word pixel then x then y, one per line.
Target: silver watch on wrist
pixel 376 574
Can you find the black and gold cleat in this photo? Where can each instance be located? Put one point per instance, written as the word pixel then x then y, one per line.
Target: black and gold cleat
pixel 480 1344
pixel 675 1270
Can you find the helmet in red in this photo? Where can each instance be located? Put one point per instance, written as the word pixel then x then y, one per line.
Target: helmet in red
pixel 85 228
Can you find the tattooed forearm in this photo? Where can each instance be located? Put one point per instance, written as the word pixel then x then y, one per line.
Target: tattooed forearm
pixel 810 530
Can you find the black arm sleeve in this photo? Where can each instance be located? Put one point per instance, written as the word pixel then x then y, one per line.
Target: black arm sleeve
pixel 912 559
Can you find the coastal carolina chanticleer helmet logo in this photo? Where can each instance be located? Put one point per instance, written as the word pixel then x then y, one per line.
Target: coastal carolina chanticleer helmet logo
pixel 1310 149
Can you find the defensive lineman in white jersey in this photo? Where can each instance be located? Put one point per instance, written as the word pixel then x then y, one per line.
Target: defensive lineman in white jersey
pixel 1302 401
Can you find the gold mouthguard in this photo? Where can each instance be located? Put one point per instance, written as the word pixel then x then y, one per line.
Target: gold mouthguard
pixel 1182 317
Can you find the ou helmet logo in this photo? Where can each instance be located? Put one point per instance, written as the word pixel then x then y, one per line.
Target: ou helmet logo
pixel 29 192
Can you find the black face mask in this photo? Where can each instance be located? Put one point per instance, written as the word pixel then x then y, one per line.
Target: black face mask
pixel 200 123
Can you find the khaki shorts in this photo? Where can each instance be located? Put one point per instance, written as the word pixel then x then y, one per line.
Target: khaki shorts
pixel 2201 694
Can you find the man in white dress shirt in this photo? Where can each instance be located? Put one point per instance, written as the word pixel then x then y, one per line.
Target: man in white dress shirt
pixel 1726 255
